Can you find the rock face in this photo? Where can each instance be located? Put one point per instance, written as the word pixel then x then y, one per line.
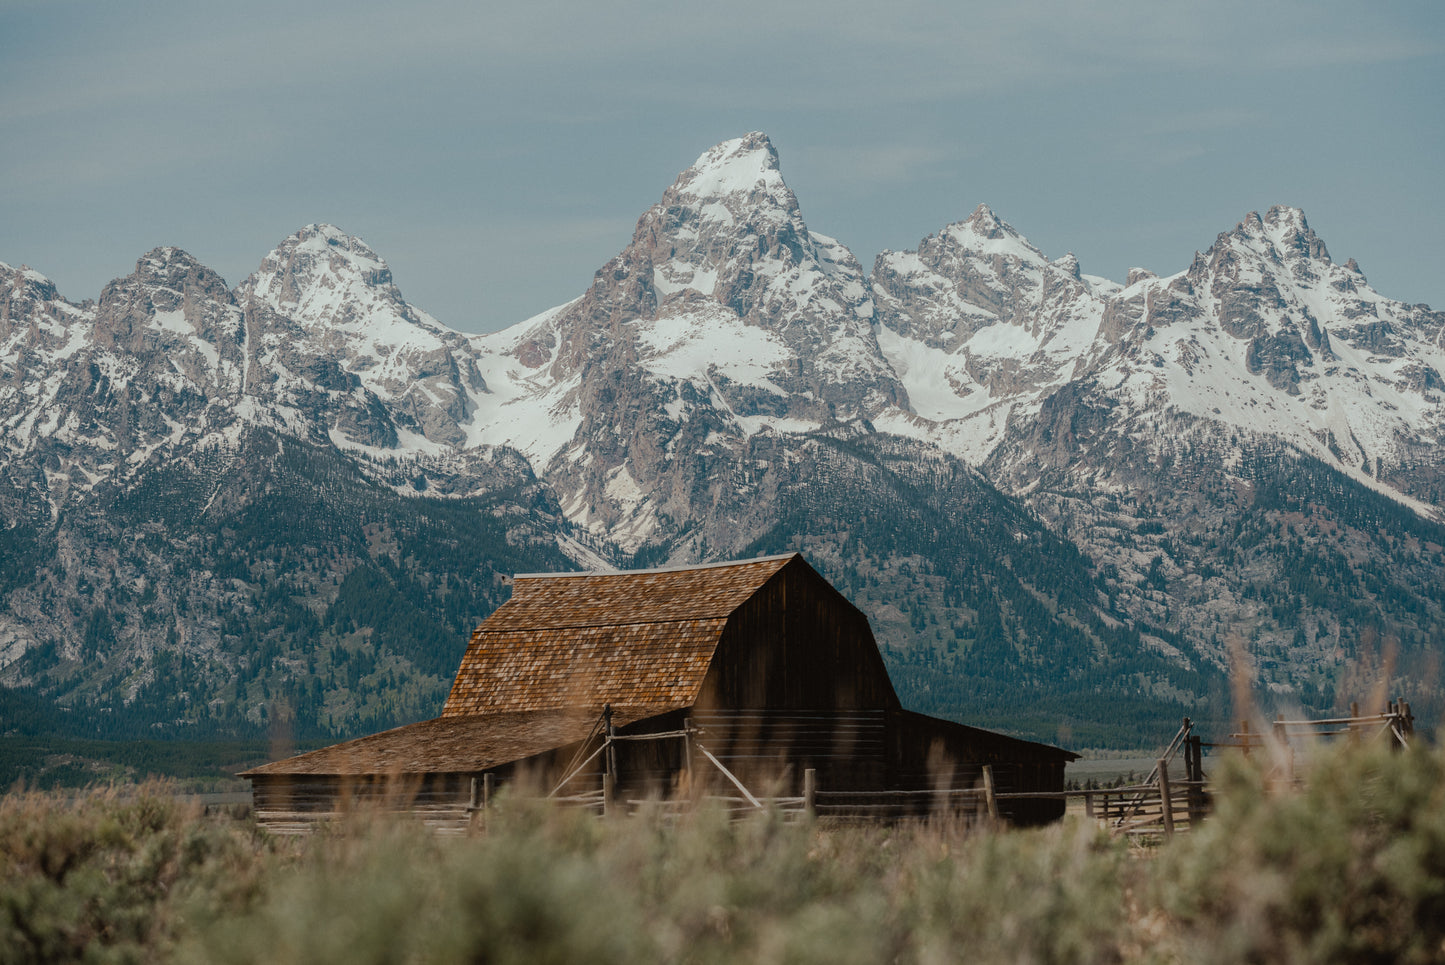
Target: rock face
pixel 211 500
pixel 1034 479
pixel 724 318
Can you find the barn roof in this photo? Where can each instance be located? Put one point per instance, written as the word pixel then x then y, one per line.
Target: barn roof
pixel 641 638
pixel 453 745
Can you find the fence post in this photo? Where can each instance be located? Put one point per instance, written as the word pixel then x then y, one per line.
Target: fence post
pixel 1287 752
pixel 610 731
pixel 609 764
pixel 988 792
pixel 810 791
pixel 1244 734
pixel 473 804
pixel 1194 761
pixel 1168 805
pixel 1088 805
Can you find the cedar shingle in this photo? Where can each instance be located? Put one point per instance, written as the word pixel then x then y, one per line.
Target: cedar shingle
pixel 582 640
pixel 453 745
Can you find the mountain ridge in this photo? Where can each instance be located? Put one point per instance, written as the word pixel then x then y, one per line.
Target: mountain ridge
pixel 732 380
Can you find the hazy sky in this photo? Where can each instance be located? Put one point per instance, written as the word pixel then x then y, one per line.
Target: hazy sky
pixel 497 154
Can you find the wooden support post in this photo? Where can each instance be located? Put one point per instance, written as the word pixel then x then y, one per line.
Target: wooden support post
pixel 1286 762
pixel 474 804
pixel 989 797
pixel 488 789
pixel 810 791
pixel 687 749
pixel 1194 761
pixel 1168 805
pixel 610 732
pixel 1088 805
pixel 1354 729
pixel 1244 735
pixel 608 793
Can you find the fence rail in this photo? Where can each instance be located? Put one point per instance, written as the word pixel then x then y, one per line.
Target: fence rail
pixel 1165 803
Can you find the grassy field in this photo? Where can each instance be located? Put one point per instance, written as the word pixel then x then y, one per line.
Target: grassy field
pixel 1350 870
pixel 56 763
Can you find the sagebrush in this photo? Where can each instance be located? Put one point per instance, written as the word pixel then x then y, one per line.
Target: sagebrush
pixel 1350 869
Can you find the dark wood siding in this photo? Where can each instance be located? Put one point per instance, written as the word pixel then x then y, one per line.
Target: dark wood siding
pixel 928 754
pixel 797 644
pixel 770 749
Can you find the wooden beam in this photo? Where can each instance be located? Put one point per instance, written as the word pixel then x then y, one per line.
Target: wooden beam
pixel 1168 805
pixel 731 777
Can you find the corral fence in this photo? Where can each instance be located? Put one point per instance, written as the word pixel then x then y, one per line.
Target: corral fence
pixel 1173 798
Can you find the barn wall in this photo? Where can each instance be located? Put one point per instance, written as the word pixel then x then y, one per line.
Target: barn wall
pixel 929 753
pixel 797 644
pixel 769 750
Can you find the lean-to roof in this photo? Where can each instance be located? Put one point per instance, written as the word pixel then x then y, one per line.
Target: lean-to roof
pixel 453 745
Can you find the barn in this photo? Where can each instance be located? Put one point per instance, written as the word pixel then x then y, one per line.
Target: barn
pixel 742 675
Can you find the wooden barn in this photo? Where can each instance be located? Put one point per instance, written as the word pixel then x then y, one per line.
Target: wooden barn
pixel 740 677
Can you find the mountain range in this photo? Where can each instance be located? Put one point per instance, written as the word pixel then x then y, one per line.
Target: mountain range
pixel 1072 506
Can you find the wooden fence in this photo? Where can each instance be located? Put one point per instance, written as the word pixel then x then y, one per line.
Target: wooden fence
pixel 1174 797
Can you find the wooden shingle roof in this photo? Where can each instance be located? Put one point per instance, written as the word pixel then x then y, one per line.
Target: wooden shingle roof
pixel 640 638
pixel 455 745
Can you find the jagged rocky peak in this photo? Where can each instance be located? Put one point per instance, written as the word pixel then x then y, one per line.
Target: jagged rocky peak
pixel 1282 233
pixel 728 223
pixel 1292 234
pixel 25 296
pixel 168 288
pixel 178 270
pixel 319 247
pixel 1257 276
pixel 969 275
pixel 727 236
pixel 987 224
pixel 26 284
pixel 745 166
pixel 321 274
pixel 983 234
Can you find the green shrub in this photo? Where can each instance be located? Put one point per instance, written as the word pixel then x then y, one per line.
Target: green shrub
pixel 101 877
pixel 1350 869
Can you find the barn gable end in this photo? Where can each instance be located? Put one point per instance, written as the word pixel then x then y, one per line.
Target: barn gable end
pixel 797 644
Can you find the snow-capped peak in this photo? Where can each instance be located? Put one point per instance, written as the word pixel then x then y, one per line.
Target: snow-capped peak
pixel 27 282
pixel 172 268
pixel 1283 232
pixel 316 271
pixel 331 240
pixel 1291 233
pixel 984 233
pixel 985 222
pixel 746 165
pixel 328 280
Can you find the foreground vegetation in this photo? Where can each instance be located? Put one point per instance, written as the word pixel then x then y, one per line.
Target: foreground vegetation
pixel 1350 870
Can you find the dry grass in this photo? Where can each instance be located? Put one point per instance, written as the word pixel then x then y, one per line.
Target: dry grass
pixel 1351 870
